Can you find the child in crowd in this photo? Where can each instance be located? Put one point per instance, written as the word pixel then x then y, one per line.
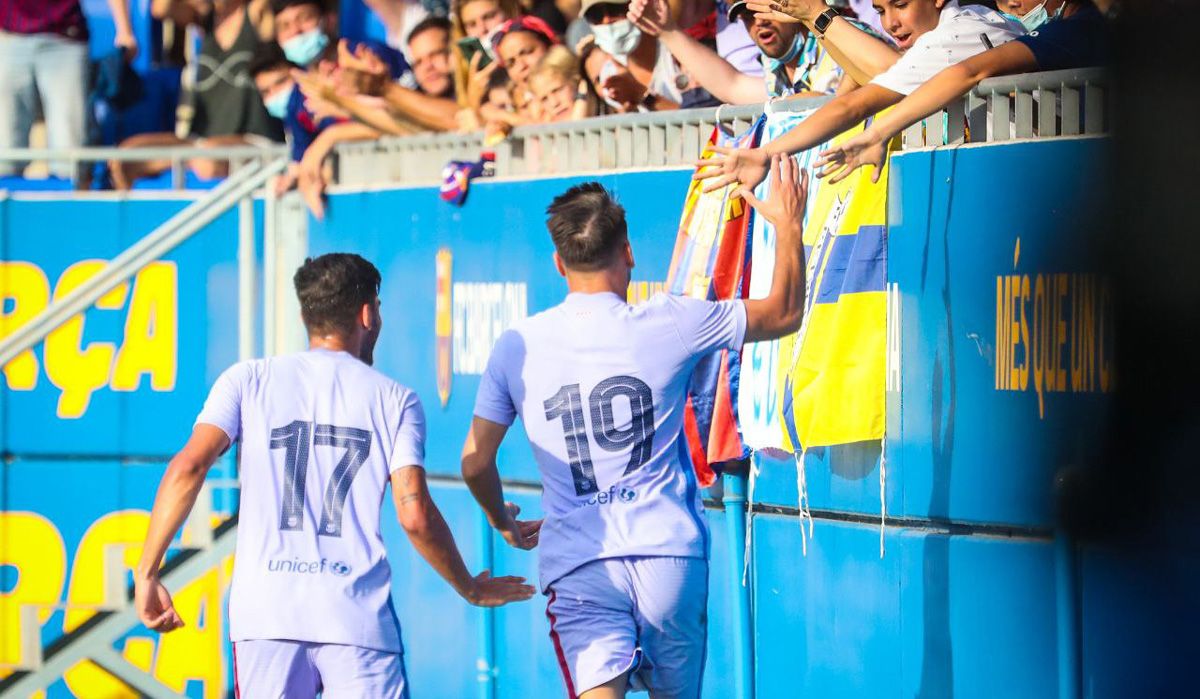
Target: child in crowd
pixel 556 90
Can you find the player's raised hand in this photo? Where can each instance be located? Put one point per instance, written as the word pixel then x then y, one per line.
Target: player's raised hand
pixel 521 534
pixel 154 606
pixel 486 591
pixel 743 166
pixel 867 148
pixel 784 207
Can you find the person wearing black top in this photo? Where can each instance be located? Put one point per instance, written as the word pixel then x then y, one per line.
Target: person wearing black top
pixel 225 109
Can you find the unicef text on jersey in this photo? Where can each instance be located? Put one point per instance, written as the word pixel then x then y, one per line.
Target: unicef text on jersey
pixel 308 567
pixel 613 494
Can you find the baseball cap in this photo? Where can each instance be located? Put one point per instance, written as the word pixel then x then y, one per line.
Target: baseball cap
pixel 734 8
pixel 589 4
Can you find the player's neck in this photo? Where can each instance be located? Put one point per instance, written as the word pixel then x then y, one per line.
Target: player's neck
pixel 334 343
pixel 600 282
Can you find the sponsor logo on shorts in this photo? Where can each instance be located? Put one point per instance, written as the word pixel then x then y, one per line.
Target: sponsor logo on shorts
pixel 299 567
pixel 613 494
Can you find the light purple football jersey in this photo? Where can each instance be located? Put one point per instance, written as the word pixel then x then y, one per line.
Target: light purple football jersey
pixel 601 387
pixel 321 432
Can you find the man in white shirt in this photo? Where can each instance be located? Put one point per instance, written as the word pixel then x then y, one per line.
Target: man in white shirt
pixel 932 34
pixel 321 435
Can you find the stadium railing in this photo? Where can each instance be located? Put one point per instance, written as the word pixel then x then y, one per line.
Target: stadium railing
pixel 1034 105
pixel 238 156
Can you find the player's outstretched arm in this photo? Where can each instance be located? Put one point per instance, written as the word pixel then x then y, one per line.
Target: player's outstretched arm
pixel 176 495
pixel 483 478
pixel 782 310
pixel 429 533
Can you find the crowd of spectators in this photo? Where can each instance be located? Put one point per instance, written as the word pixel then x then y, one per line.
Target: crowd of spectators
pixel 266 68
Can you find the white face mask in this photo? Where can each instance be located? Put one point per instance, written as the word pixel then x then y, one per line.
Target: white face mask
pixel 617 39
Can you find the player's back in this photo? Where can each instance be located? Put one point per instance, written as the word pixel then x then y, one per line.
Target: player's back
pixel 320 434
pixel 601 388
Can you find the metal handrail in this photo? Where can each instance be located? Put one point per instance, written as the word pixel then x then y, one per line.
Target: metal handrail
pixel 154 245
pixel 1051 78
pixel 138 154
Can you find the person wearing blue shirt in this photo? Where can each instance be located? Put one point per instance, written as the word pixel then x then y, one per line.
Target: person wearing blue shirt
pixel 1062 34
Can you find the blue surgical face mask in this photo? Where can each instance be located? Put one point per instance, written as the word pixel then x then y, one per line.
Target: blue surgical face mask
pixel 1038 16
pixel 277 104
pixel 774 64
pixel 617 39
pixel 303 49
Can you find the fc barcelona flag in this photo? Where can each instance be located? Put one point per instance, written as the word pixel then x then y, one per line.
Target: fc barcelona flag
pixel 711 261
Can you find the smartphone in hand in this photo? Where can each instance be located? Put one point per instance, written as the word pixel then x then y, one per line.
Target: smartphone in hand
pixel 469 46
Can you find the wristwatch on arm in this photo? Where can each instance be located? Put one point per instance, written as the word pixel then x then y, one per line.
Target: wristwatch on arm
pixel 823 20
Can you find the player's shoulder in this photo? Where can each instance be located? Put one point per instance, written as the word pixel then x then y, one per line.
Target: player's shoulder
pixel 673 305
pixel 244 371
pixel 385 384
pixel 527 330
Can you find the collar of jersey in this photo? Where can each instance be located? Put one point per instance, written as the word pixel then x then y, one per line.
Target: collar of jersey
pixel 601 298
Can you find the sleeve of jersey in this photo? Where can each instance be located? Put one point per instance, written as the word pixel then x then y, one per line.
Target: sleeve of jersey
pixel 708 326
pixel 494 401
pixel 223 408
pixel 409 449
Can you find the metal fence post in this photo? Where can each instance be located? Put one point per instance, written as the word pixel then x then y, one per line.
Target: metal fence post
pixel 247 278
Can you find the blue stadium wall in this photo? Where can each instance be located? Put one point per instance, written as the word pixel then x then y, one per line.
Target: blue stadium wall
pixel 962 603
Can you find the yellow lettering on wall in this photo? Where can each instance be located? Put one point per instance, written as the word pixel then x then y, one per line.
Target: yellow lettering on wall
pixel 999 330
pixel 1056 329
pixel 1102 344
pixel 76 370
pixel 29 289
pixel 1038 348
pixel 150 331
pixel 1022 304
pixel 31 544
pixel 1014 369
pixel 1060 331
pixel 126 529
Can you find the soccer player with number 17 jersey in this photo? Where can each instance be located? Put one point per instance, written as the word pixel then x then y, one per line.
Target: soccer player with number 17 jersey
pixel 601 388
pixel 322 436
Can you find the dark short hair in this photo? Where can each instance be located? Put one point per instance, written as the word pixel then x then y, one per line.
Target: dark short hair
pixel 278 6
pixel 332 289
pixel 429 23
pixel 588 226
pixel 268 56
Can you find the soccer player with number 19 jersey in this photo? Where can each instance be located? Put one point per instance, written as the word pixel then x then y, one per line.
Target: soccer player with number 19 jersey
pixel 601 388
pixel 322 436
